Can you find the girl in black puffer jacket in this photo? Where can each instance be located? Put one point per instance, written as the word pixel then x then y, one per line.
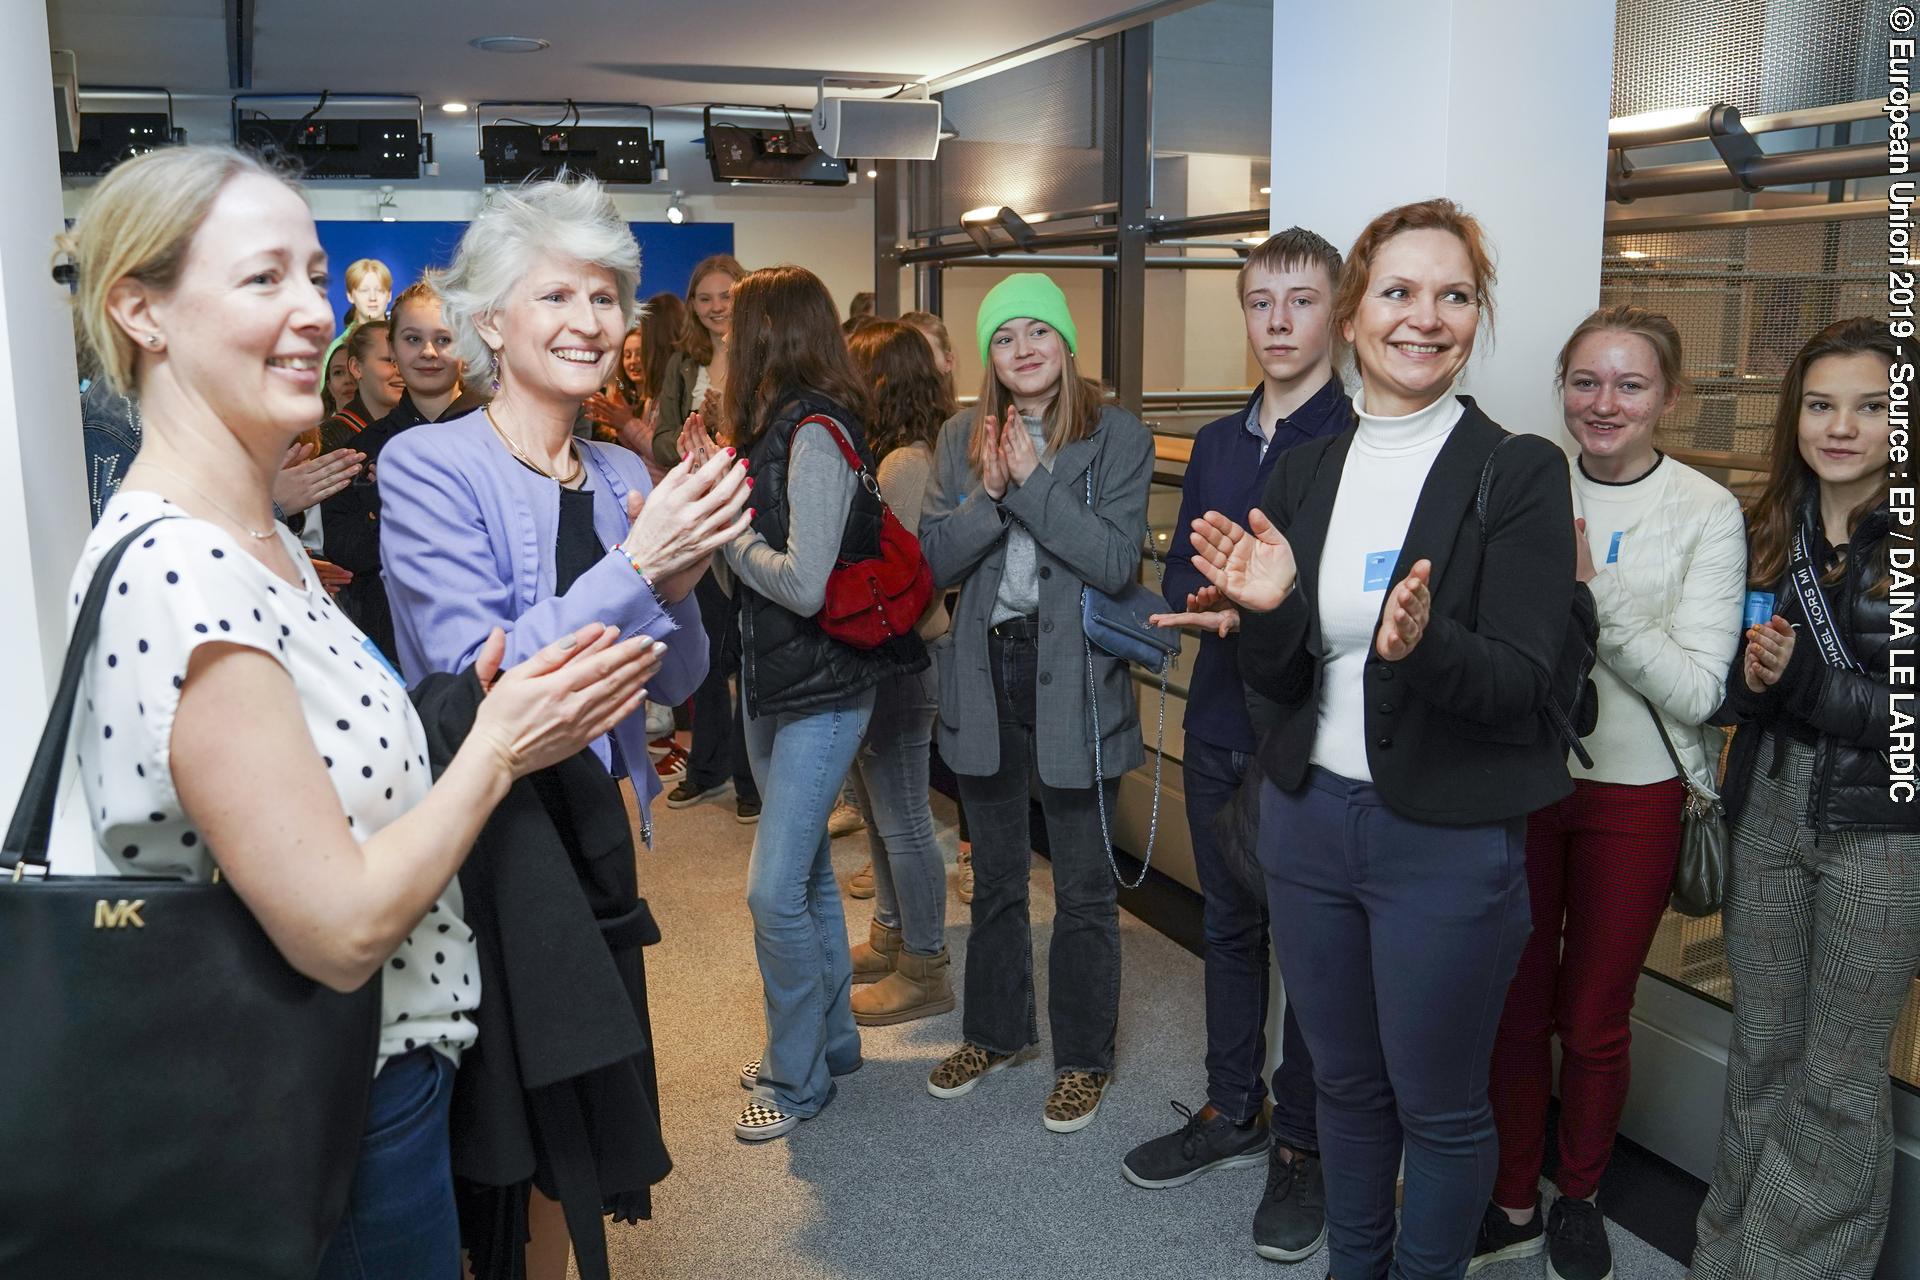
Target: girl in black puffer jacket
pixel 1822 917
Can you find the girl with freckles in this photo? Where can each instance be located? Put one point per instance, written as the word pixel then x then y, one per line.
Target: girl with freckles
pixel 1408 647
pixel 1822 914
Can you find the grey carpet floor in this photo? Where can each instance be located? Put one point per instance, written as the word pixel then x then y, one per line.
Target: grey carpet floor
pixel 890 1182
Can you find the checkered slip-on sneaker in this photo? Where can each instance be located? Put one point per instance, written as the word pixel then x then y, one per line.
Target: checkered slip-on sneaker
pixel 759 1121
pixel 1075 1099
pixel 750 1074
pixel 963 1069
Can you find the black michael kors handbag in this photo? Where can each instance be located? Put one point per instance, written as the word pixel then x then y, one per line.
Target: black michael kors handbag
pixel 178 1102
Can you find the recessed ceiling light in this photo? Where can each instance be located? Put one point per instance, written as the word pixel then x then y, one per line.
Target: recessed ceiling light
pixel 510 44
pixel 1266 191
pixel 453 108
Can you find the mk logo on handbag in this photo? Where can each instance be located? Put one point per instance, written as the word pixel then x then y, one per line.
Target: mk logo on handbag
pixel 119 915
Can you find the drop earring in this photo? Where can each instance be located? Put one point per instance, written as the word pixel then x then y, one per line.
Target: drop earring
pixel 493 380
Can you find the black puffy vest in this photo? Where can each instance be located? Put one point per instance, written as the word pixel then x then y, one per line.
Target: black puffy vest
pixel 787 662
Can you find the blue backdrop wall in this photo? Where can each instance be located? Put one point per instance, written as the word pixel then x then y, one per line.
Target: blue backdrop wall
pixel 668 253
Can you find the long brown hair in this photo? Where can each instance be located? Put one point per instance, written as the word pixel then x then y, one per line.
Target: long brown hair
pixel 1775 514
pixel 661 320
pixel 908 396
pixel 1072 416
pixel 785 338
pixel 695 341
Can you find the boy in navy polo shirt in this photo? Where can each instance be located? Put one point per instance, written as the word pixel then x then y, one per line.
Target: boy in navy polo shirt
pixel 1286 295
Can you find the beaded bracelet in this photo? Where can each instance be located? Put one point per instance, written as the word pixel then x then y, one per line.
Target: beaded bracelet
pixel 622 552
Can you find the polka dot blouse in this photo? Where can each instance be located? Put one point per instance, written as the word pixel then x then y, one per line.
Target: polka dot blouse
pixel 184 583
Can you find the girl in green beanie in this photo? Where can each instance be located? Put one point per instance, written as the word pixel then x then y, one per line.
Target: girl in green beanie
pixel 1039 492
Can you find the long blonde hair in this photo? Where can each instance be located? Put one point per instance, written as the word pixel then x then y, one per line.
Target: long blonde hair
pixel 1072 416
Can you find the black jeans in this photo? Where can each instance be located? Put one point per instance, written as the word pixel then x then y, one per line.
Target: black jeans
pixel 1083 964
pixel 719 737
pixel 1236 925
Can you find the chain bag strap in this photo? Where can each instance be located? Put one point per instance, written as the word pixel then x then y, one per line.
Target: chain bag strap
pixel 1159 733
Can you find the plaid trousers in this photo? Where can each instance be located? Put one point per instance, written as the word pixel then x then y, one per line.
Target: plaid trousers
pixel 1823 937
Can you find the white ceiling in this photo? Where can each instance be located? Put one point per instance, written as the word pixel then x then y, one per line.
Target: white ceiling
pixel 650 51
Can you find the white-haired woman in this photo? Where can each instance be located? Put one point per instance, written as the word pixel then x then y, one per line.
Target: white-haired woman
pixel 503 518
pixel 232 718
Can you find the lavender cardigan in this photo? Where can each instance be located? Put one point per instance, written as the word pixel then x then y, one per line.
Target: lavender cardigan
pixel 467 544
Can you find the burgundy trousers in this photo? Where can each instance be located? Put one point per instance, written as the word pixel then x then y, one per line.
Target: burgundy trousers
pixel 1599 867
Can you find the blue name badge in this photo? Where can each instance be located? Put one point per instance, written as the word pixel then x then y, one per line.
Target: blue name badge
pixel 373 651
pixel 1759 608
pixel 1379 571
pixel 1613 547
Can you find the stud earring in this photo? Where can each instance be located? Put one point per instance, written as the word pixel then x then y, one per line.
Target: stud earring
pixel 153 340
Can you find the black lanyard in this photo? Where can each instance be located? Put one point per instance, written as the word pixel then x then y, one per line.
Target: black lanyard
pixel 1813 603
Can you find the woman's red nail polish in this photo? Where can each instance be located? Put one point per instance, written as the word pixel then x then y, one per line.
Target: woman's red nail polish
pixel 749 482
pixel 729 451
pixel 751 513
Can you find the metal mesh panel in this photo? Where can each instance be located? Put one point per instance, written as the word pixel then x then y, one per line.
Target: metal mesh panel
pixel 1744 299
pixel 1776 55
pixel 1034 138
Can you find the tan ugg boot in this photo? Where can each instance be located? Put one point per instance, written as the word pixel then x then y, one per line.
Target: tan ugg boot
pixel 917 988
pixel 874 958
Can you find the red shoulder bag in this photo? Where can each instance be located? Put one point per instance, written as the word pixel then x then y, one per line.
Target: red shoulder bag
pixel 870 602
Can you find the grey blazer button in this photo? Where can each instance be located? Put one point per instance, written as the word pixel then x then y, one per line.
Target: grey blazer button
pixel 1046 677
pixel 1385 744
pixel 1386 708
pixel 1046 624
pixel 1045 572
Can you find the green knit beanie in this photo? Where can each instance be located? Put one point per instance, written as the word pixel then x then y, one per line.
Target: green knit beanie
pixel 1027 295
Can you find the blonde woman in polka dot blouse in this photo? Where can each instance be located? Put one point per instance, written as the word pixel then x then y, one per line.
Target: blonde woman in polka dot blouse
pixel 233 717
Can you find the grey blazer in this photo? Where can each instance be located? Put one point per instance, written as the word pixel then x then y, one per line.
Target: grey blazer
pixel 963 534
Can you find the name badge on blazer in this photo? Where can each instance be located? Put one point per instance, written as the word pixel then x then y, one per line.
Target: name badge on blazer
pixel 1379 570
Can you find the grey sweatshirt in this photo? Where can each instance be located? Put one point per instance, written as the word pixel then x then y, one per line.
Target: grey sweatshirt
pixel 820 488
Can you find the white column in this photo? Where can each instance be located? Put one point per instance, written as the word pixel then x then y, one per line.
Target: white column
pixel 43 497
pixel 1501 105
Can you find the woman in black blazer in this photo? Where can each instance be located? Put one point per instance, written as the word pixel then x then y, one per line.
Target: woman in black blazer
pixel 1409 650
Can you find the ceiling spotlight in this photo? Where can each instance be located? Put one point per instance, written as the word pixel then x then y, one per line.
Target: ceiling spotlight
pixel 1266 191
pixel 453 108
pixel 873 169
pixel 386 206
pixel 509 44
pixel 676 211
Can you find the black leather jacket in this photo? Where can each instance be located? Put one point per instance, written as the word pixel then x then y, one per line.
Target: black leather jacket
pixel 1847 716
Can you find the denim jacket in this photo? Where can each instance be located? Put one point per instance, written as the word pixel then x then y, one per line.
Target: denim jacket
pixel 110 432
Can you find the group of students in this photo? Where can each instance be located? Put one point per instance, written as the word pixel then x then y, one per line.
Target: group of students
pixel 1381 599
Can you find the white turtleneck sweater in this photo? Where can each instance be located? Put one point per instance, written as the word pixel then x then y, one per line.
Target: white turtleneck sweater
pixel 1386 468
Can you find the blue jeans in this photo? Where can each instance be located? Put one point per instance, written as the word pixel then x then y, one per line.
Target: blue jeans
pixel 1235 923
pixel 1083 1005
pixel 890 786
pixel 1403 938
pixel 400 1222
pixel 799 930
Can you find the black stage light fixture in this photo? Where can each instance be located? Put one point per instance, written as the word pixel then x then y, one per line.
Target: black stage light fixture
pixel 108 137
pixel 385 148
pixel 742 153
pixel 514 150
pixel 979 225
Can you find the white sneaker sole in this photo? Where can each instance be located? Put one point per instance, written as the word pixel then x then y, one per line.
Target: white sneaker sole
pixel 1555 1275
pixel 1525 1249
pixel 1079 1122
pixel 1241 1161
pixel 1274 1253
pixel 962 1090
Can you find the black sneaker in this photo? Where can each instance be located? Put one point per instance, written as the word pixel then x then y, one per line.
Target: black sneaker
pixel 746 812
pixel 1500 1239
pixel 1291 1223
pixel 1177 1158
pixel 690 792
pixel 1577 1247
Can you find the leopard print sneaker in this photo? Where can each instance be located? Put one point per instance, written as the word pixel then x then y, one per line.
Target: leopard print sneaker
pixel 963 1069
pixel 1075 1099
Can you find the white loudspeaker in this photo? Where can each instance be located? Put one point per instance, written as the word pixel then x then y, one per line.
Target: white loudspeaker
pixel 66 99
pixel 877 128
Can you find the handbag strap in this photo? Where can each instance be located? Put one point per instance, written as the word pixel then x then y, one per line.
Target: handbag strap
pixel 846 450
pixel 1159 737
pixel 32 827
pixel 1694 791
pixel 1813 603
